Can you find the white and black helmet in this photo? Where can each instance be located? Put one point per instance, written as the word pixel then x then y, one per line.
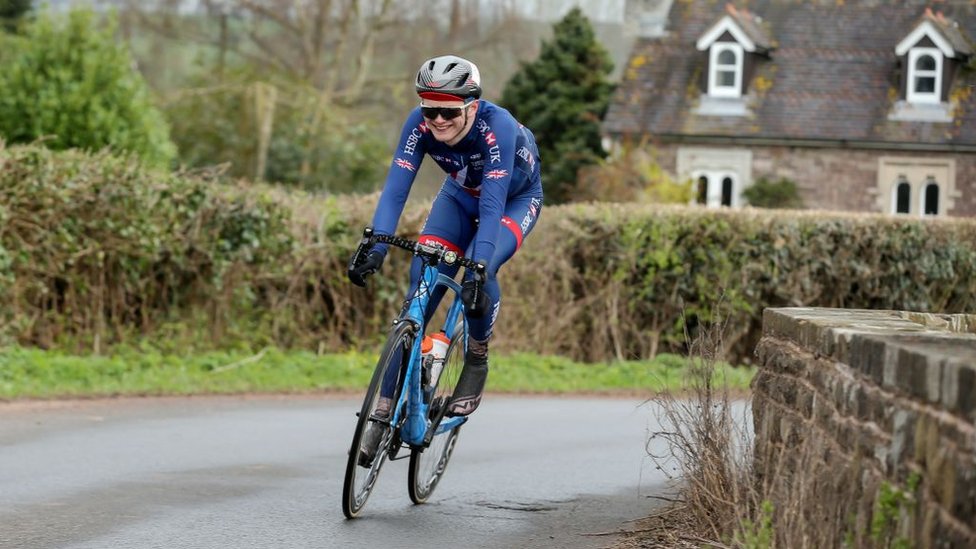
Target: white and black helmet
pixel 448 78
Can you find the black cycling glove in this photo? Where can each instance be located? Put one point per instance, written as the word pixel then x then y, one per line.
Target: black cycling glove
pixel 360 268
pixel 474 298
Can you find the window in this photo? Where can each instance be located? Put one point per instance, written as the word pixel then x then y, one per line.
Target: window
pixel 930 197
pixel 903 197
pixel 925 75
pixel 716 189
pixel 727 191
pixel 920 186
pixel 718 174
pixel 725 70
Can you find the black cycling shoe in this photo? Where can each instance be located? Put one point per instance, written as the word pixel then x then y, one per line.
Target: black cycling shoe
pixel 467 392
pixel 374 434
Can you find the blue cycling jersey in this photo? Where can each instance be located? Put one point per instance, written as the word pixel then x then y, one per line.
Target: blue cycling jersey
pixel 496 161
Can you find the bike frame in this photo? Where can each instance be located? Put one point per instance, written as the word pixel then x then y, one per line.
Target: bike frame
pixel 415 426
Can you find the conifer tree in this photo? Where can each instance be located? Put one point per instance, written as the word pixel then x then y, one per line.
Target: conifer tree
pixel 562 96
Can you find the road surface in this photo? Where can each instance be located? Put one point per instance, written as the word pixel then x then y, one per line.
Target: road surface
pixel 266 472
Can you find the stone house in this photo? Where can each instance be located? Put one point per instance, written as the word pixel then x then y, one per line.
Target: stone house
pixel 866 105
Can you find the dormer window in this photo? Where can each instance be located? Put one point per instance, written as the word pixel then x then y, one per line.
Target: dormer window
pixel 725 70
pixel 733 47
pixel 930 55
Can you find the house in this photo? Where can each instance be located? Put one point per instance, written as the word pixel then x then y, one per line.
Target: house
pixel 865 105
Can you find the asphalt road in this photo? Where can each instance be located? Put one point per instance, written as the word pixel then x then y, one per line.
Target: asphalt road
pixel 243 472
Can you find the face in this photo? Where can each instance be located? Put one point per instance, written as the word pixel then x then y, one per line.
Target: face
pixel 449 120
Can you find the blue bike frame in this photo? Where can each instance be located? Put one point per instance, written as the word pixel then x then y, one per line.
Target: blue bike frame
pixel 415 426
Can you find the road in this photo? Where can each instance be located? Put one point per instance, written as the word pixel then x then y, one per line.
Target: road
pixel 266 472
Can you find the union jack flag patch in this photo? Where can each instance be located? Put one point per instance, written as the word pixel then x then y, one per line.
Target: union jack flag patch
pixel 496 174
pixel 405 164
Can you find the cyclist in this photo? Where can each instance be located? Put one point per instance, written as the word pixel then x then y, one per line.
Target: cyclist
pixel 489 202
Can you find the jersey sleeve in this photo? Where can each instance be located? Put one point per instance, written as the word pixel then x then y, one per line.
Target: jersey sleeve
pixel 499 148
pixel 403 170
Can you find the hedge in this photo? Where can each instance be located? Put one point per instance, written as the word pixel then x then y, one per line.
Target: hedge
pixel 95 250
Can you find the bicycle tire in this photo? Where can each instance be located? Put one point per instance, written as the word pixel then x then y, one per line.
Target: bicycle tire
pixel 427 465
pixel 359 481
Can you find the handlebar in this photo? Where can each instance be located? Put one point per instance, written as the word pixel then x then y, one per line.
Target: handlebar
pixel 434 253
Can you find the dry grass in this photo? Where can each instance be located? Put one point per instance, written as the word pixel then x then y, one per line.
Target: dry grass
pixel 724 499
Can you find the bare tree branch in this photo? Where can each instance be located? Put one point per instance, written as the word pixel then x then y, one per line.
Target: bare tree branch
pixel 278 59
pixel 318 38
pixel 365 59
pixel 277 16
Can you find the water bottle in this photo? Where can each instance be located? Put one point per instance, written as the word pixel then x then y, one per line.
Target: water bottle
pixel 434 348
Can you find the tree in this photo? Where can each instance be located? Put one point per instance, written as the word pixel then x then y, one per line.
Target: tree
pixel 561 97
pixel 71 84
pixel 12 11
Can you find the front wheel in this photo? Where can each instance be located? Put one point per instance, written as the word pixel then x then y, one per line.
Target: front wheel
pixel 368 452
pixel 427 465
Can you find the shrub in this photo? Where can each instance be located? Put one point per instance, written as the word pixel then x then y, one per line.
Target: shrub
pixel 71 84
pixel 632 175
pixel 12 11
pixel 765 193
pixel 96 246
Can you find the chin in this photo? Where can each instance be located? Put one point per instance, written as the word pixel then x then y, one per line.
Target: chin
pixel 441 136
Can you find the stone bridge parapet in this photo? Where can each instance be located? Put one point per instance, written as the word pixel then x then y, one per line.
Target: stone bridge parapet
pixel 852 406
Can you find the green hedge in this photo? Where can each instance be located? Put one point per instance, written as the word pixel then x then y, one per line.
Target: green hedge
pixel 97 247
pixel 95 250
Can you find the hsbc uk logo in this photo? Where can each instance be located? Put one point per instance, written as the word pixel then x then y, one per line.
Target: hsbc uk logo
pixel 494 151
pixel 525 154
pixel 531 214
pixel 410 146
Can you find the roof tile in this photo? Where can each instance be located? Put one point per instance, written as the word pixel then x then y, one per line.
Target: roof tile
pixel 832 76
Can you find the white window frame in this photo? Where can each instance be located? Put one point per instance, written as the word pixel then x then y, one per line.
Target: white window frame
pixel 918 172
pixel 713 187
pixel 714 89
pixel 915 96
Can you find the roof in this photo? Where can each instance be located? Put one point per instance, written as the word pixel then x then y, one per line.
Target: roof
pixel 832 75
pixel 950 30
pixel 745 26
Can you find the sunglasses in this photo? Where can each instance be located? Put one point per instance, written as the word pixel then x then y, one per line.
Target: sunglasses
pixel 447 113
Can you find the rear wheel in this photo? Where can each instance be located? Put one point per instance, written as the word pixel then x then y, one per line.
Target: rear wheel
pixel 363 466
pixel 427 465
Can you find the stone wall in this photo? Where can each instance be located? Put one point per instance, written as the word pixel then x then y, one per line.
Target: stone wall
pixel 838 178
pixel 864 424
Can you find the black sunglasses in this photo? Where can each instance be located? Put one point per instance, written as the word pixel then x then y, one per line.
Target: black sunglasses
pixel 447 113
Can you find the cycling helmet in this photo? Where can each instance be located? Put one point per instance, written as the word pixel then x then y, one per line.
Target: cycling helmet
pixel 449 78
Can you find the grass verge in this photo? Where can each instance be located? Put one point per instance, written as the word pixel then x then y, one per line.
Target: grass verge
pixel 34 373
